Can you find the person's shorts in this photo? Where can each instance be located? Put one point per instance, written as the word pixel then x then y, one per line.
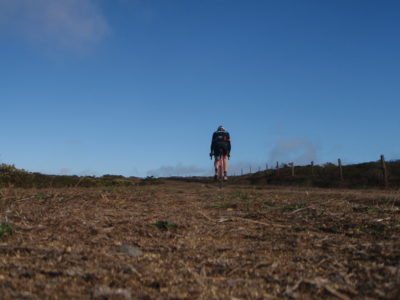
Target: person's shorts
pixel 221 149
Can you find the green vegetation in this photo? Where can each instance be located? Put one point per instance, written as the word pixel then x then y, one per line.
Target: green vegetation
pixel 150 180
pixel 223 205
pixel 165 225
pixel 373 228
pixel 5 229
pixel 267 204
pixel 327 229
pixel 375 210
pixel 10 176
pixel 240 195
pixel 298 228
pixel 41 195
pixel 293 207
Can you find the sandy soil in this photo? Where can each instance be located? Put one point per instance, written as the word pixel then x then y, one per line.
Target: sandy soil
pixel 182 240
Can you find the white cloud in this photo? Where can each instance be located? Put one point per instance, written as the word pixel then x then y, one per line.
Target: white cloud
pixel 71 24
pixel 88 172
pixel 178 170
pixel 65 171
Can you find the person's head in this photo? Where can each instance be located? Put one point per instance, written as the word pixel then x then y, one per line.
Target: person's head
pixel 221 128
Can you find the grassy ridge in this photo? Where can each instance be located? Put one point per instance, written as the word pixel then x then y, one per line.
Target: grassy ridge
pixel 354 176
pixel 363 175
pixel 10 176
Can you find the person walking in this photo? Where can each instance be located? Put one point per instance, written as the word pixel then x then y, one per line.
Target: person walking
pixel 221 144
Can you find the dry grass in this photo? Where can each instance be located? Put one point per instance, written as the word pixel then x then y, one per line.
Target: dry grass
pixel 234 243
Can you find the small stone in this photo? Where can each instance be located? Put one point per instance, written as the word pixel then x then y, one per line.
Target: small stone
pixel 130 250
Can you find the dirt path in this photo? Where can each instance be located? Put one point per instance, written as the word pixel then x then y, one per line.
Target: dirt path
pixel 193 241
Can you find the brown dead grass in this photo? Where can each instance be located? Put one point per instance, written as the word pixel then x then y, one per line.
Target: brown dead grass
pixel 235 243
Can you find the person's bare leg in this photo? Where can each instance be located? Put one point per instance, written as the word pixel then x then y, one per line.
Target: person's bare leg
pixel 225 164
pixel 215 167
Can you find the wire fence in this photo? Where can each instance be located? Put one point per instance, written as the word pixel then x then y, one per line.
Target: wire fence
pixel 290 169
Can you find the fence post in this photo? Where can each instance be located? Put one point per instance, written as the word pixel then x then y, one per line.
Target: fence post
pixel 384 171
pixel 277 167
pixel 292 165
pixel 312 168
pixel 340 169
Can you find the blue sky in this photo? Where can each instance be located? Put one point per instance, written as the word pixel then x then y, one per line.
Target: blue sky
pixel 137 87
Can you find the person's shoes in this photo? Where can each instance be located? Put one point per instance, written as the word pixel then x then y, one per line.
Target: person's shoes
pixel 225 178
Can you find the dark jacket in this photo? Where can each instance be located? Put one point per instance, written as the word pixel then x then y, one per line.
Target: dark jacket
pixel 221 138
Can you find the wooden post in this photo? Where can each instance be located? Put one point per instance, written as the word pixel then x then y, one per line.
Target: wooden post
pixel 340 169
pixel 312 168
pixel 277 167
pixel 292 165
pixel 384 171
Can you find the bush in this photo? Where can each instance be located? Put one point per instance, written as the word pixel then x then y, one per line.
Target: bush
pixel 11 176
pixel 5 229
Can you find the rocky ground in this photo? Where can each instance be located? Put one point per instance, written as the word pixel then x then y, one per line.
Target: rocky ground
pixel 178 240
